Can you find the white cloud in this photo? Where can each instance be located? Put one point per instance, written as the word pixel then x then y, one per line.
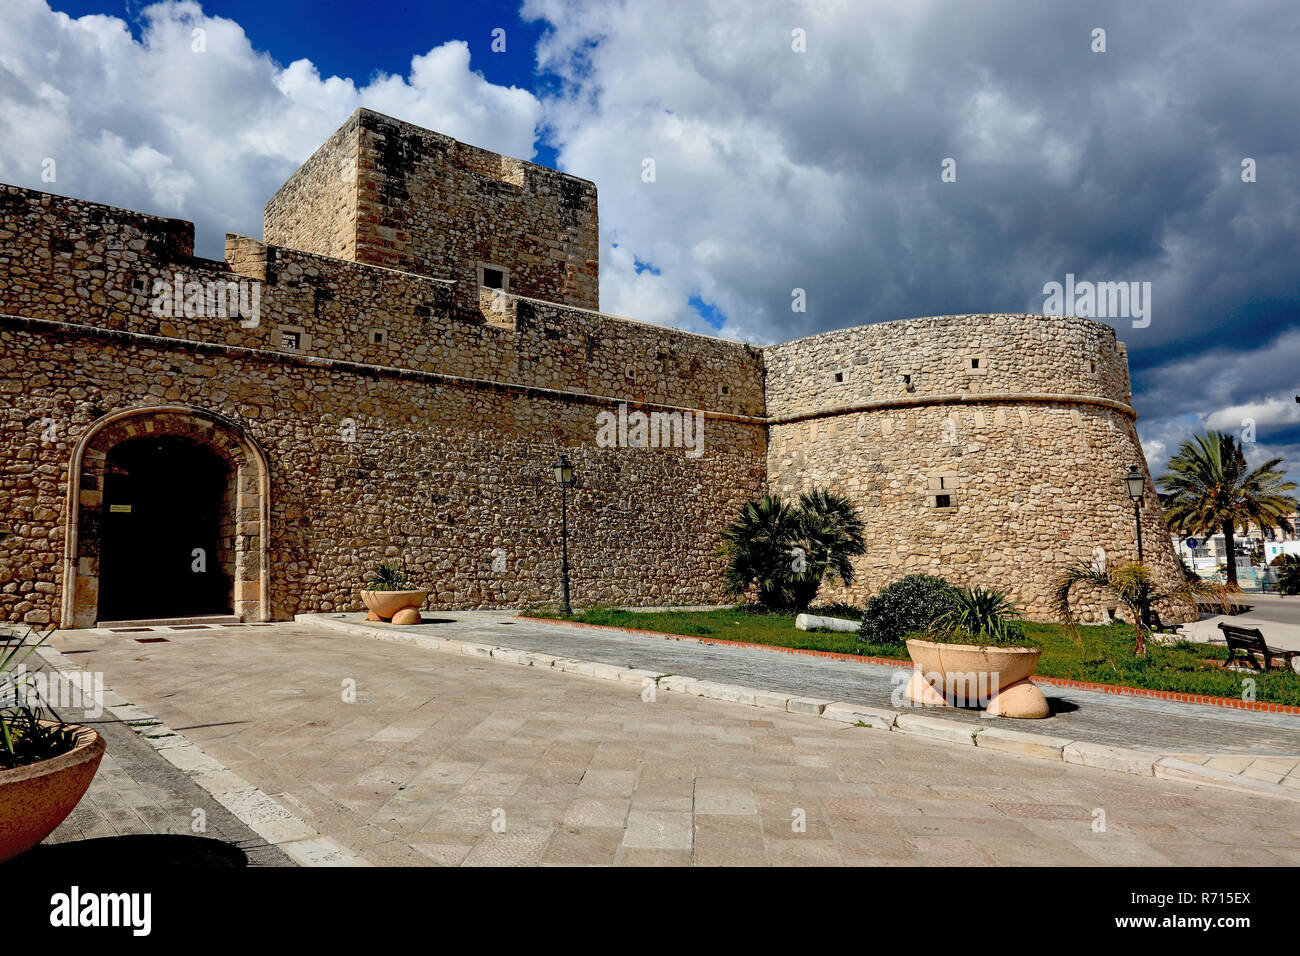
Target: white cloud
pixel 207 136
pixel 1272 411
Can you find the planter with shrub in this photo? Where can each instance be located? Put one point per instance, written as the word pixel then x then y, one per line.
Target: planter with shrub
pixel 391 598
pixel 46 764
pixel 973 654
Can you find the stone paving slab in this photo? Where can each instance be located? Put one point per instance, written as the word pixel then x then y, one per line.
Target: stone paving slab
pixel 276 835
pixel 950 724
pixel 134 794
pixel 453 759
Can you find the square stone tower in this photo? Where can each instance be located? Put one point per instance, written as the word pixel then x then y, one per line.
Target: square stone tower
pixel 390 194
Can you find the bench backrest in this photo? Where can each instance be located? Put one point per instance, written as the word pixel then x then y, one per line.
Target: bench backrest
pixel 1250 638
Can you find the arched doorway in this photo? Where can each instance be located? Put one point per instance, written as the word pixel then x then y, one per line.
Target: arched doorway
pixel 167 507
pixel 167 531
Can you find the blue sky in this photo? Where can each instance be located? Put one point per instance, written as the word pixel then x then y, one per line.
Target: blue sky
pixel 348 38
pixel 777 167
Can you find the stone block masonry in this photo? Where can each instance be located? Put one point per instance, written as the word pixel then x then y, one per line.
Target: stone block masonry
pixel 391 194
pixel 424 345
pixel 986 449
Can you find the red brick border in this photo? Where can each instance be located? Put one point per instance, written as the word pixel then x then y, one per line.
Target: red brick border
pixel 1174 695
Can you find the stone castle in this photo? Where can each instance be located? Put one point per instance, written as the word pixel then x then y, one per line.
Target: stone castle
pixel 393 370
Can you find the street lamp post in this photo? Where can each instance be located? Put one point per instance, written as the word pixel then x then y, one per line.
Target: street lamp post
pixel 564 478
pixel 1136 489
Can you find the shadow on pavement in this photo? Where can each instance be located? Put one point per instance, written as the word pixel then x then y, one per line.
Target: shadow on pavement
pixel 139 850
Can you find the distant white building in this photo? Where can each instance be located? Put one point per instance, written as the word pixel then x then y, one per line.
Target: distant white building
pixel 1208 555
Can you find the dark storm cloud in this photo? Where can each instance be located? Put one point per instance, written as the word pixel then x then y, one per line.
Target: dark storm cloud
pixel 1115 166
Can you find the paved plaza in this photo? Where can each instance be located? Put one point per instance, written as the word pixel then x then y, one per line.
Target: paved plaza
pixel 140 807
pixel 1276 615
pixel 406 756
pixel 1141 723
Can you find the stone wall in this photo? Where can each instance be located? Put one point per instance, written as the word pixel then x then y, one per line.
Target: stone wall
pixel 316 210
pixel 434 443
pixel 106 275
pixel 1021 421
pixel 368 464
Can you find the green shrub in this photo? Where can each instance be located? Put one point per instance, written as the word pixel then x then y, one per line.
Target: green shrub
pixel 910 604
pixel 1288 573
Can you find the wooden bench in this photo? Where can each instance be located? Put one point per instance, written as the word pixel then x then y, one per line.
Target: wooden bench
pixel 1246 642
pixel 1153 622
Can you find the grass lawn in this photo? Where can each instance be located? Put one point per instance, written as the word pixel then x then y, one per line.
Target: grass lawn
pixel 1103 654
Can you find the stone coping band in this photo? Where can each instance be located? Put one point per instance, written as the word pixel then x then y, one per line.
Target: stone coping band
pixel 1183 697
pixel 363 368
pixel 959 398
pixel 358 368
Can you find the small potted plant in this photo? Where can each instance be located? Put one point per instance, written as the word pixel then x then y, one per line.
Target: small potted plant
pixel 390 596
pixel 46 764
pixel 977 654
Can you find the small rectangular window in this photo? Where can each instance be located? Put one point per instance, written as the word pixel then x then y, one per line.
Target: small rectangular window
pixel 839 378
pixel 943 501
pixel 291 338
pixel 974 363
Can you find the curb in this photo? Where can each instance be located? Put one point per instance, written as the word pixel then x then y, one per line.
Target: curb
pixel 1182 697
pixel 995 739
pixel 270 820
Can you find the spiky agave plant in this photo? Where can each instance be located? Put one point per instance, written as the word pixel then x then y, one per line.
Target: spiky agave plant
pixel 388 577
pixel 983 615
pixel 29 729
pixel 1134 586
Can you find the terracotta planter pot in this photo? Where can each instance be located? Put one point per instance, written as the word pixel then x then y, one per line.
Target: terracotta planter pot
pixel 391 605
pixel 36 798
pixel 996 678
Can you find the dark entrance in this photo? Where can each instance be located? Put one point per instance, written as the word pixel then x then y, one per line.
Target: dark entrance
pixel 168 526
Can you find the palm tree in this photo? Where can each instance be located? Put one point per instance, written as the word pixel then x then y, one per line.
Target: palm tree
pixel 758 545
pixel 1210 488
pixel 788 550
pixel 831 534
pixel 1133 585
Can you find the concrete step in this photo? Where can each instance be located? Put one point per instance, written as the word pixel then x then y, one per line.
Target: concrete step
pixel 172 621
